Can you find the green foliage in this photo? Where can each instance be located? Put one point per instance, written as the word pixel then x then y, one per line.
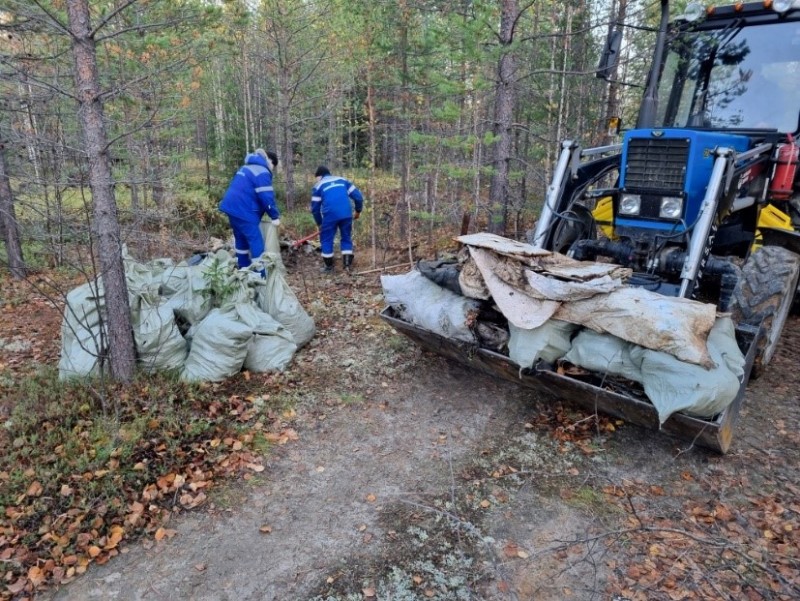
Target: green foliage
pixel 300 222
pixel 428 217
pixel 221 285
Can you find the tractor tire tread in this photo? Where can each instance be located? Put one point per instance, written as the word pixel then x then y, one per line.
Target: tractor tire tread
pixel 769 276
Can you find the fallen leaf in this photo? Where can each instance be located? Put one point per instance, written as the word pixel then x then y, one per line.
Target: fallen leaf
pixel 511 549
pixel 160 534
pixel 17 586
pixel 35 489
pixel 94 551
pixel 36 576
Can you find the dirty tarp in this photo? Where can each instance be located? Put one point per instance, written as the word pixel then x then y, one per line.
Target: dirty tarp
pixel 531 286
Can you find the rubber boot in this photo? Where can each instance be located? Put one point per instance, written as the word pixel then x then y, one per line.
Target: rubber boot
pixel 347 262
pixel 328 265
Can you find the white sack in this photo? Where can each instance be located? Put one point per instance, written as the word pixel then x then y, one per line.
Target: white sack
pixel 429 306
pixel 81 331
pixel 219 347
pixel 673 386
pixel 272 244
pixel 670 384
pixel 272 346
pixel 277 298
pixel 159 344
pixel 548 342
pixel 601 353
pixel 183 287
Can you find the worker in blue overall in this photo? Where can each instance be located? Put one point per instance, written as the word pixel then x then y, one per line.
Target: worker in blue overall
pixel 249 196
pixel 332 210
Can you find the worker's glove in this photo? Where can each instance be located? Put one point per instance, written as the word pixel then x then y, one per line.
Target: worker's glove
pixel 276 222
pixel 357 214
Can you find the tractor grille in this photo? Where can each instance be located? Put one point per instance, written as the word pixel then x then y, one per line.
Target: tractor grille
pixel 656 164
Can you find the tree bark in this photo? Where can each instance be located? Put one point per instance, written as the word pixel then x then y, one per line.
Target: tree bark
pixel 503 116
pixel 105 225
pixel 612 104
pixel 372 163
pixel 8 222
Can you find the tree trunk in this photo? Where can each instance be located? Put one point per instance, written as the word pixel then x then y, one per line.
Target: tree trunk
pixel 612 104
pixel 372 163
pixel 503 115
pixel 563 98
pixel 8 221
pixel 105 224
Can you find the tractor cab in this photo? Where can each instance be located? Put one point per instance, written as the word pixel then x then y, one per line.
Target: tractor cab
pixel 734 68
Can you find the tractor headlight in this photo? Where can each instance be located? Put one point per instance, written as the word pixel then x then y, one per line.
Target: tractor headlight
pixel 671 207
pixel 694 12
pixel 630 204
pixel 781 6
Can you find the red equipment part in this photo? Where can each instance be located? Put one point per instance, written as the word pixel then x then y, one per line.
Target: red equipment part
pixel 301 241
pixel 782 185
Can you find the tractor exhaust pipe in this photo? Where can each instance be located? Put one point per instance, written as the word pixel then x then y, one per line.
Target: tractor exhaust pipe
pixel 647 112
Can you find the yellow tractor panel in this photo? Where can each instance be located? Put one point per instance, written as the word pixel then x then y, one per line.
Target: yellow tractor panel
pixel 771 216
pixel 604 216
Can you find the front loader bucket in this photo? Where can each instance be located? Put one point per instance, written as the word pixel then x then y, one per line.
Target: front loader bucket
pixel 592 393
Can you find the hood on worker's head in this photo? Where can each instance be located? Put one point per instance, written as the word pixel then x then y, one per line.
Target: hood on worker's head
pixel 257 159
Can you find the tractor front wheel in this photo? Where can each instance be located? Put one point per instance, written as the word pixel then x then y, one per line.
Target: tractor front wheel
pixel 763 297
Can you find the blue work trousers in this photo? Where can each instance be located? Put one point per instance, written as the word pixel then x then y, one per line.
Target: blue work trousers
pixel 248 240
pixel 327 232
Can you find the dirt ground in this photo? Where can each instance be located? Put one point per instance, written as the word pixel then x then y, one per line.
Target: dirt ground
pixel 413 478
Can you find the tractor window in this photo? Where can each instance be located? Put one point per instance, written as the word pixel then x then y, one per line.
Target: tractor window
pixel 739 77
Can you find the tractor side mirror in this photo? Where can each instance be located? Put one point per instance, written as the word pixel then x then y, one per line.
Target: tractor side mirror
pixel 610 57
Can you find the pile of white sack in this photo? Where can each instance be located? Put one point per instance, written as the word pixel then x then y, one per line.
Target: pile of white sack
pixel 683 354
pixel 204 318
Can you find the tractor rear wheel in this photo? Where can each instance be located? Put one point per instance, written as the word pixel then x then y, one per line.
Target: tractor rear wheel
pixel 764 296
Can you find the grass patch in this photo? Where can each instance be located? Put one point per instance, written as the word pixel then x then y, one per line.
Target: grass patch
pixel 86 468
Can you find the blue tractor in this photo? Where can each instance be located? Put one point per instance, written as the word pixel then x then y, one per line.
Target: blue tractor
pixel 701 199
